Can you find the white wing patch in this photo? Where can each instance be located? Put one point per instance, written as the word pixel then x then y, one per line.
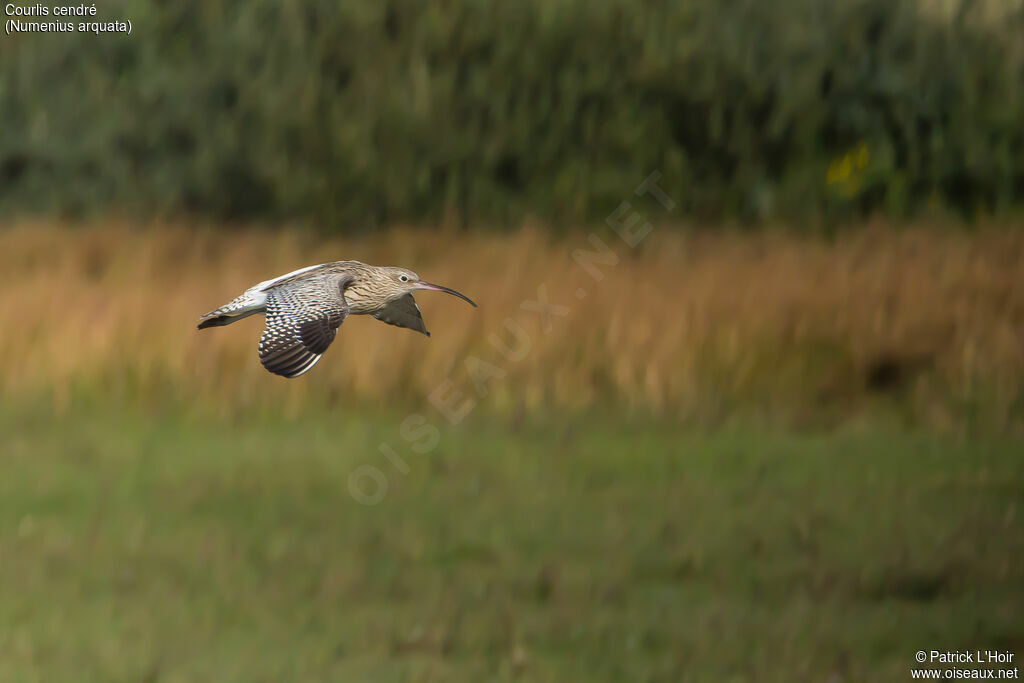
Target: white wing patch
pixel 267 284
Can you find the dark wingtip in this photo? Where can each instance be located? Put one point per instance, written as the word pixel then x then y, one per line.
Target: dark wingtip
pixel 212 322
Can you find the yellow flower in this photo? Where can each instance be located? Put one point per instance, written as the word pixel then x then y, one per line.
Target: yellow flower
pixel 862 155
pixel 845 173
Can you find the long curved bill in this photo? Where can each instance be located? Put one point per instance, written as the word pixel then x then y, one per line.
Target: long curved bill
pixel 439 288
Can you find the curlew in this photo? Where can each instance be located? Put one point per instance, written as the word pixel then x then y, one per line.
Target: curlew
pixel 304 309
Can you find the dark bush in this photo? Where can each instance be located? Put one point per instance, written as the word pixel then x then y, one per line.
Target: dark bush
pixel 352 114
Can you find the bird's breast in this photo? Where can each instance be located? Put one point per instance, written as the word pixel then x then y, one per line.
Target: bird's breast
pixel 358 301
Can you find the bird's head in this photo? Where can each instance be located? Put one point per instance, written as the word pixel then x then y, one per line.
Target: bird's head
pixel 401 281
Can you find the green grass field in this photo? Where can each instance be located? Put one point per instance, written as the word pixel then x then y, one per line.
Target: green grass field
pixel 170 548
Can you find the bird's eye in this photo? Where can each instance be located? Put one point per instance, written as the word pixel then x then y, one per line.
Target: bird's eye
pixel 403 278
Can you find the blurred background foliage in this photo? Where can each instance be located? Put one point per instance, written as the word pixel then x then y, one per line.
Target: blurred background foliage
pixel 367 113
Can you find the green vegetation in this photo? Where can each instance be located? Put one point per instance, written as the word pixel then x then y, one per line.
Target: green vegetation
pixel 166 548
pixel 363 113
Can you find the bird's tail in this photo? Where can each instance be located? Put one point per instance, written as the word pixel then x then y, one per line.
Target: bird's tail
pixel 248 304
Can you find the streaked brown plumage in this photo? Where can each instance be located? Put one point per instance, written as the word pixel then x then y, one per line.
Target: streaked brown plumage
pixel 305 308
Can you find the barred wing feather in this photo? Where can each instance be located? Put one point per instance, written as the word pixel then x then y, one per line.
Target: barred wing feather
pixel 301 324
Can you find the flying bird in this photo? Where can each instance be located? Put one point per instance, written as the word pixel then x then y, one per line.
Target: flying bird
pixel 305 308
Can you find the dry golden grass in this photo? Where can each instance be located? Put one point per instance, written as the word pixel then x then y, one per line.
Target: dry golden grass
pixel 688 324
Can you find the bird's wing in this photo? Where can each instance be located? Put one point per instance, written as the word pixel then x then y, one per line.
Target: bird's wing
pixel 301 323
pixel 403 312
